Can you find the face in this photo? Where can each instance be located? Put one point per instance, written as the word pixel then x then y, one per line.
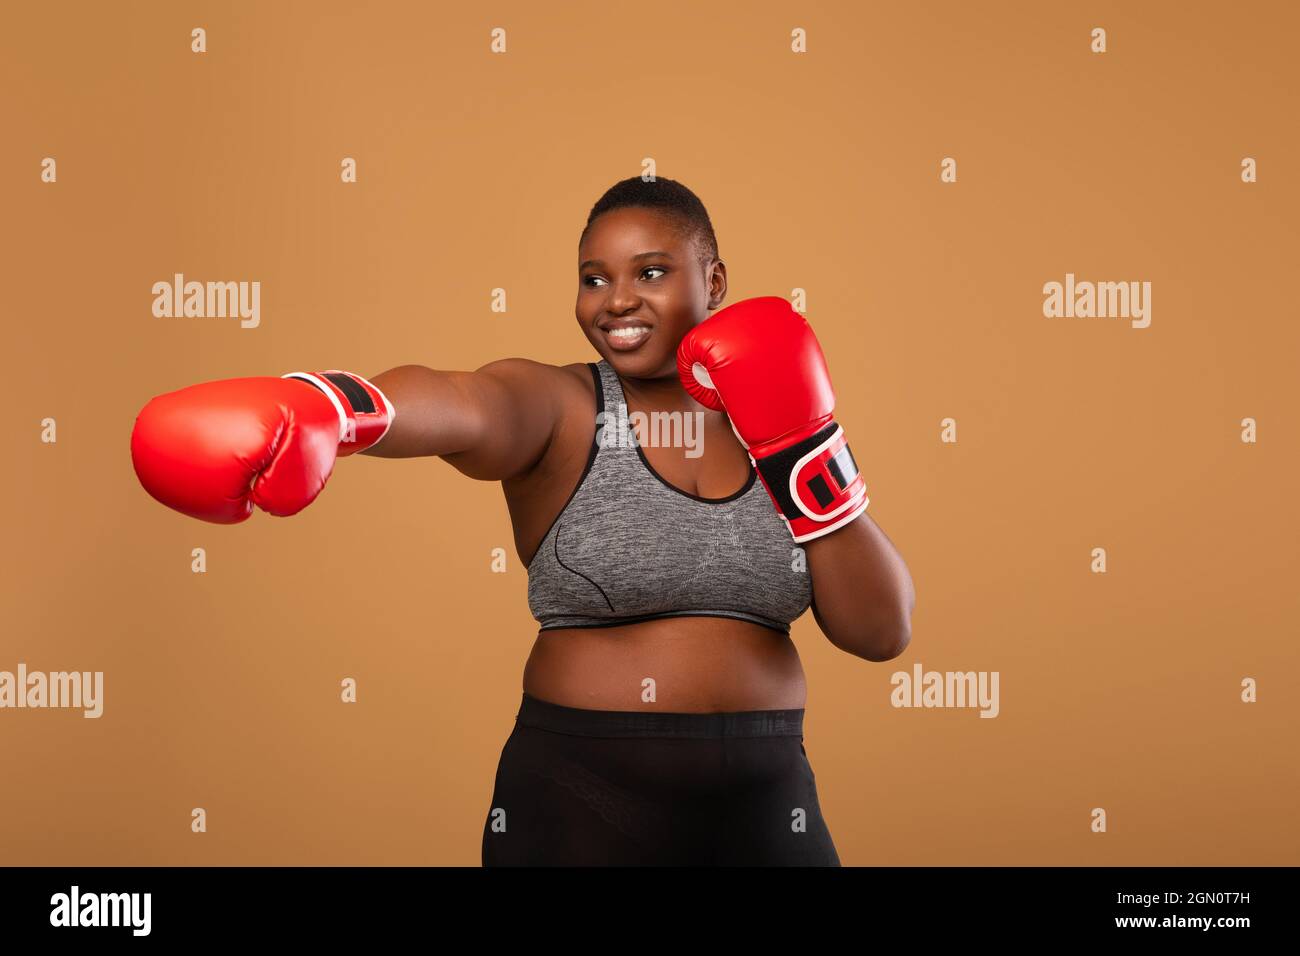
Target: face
pixel 641 288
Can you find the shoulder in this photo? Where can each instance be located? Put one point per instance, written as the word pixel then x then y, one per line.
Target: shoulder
pixel 568 389
pixel 567 382
pixel 579 373
pixel 572 393
pixel 529 371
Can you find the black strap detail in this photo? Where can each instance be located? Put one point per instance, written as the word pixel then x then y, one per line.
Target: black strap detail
pixel 357 396
pixel 821 491
pixel 776 469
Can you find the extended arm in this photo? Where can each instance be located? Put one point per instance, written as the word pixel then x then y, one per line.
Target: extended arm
pixel 215 450
pixel 491 424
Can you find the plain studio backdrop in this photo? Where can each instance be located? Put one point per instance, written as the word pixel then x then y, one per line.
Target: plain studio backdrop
pixel 1119 691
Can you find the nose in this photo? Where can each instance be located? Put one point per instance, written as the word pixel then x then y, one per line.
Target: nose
pixel 623 297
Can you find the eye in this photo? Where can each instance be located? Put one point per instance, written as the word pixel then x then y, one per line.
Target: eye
pixel 591 280
pixel 654 269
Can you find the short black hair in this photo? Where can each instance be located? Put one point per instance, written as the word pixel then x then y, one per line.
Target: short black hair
pixel 666 195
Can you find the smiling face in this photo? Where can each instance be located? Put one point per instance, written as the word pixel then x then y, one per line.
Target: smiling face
pixel 641 288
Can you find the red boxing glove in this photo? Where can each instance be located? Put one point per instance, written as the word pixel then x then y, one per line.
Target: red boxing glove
pixel 759 361
pixel 214 450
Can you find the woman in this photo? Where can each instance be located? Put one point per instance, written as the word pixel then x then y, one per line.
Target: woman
pixel 661 719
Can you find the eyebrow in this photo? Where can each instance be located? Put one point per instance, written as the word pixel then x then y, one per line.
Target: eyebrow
pixel 658 253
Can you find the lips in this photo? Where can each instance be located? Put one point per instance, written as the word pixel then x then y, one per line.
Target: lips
pixel 626 336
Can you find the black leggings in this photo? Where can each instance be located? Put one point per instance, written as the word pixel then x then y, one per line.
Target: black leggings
pixel 582 787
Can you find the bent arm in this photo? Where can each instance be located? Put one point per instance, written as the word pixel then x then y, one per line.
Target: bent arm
pixel 490 424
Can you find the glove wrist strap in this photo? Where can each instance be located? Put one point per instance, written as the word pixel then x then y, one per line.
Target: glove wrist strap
pixel 365 414
pixel 815 483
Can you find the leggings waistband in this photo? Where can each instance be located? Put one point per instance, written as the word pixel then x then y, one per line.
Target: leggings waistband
pixel 636 723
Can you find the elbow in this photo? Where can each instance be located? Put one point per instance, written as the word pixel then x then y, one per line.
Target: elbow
pixel 889 643
pixel 882 643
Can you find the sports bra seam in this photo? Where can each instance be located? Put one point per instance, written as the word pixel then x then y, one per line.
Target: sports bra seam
pixel 586 471
pixel 556 542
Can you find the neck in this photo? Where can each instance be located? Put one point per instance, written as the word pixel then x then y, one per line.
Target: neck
pixel 664 393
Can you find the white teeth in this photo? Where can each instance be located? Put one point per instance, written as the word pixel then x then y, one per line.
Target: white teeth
pixel 628 333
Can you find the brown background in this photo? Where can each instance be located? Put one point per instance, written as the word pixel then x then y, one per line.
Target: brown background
pixel 821 172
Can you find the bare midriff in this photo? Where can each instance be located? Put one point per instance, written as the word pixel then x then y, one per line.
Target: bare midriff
pixel 690 664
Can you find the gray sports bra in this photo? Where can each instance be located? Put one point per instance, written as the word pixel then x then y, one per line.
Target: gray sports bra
pixel 628 546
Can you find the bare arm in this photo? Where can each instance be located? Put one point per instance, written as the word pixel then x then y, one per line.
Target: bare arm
pixel 491 424
pixel 863 595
